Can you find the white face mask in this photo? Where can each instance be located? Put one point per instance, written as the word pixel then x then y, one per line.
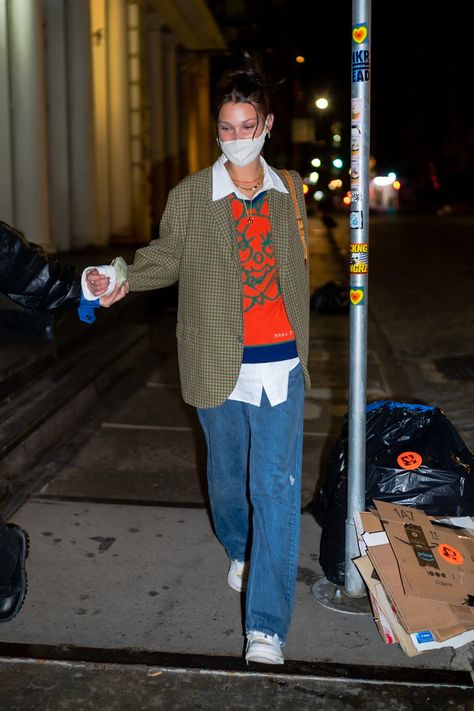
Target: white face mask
pixel 243 151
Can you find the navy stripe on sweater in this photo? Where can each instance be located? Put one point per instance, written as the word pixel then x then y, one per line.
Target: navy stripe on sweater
pixel 271 353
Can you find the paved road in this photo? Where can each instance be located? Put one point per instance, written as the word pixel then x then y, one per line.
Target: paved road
pixel 421 281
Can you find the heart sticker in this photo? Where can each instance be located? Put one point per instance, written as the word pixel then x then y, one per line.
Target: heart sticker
pixel 359 34
pixel 356 296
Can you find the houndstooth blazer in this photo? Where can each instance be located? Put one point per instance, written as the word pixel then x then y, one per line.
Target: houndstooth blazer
pixel 197 246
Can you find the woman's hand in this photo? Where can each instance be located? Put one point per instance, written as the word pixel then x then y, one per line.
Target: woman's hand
pixel 118 293
pixel 97 283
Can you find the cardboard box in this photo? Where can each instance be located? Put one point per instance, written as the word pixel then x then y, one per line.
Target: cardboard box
pixel 383 625
pixel 416 614
pixel 419 623
pixel 424 641
pixel 395 629
pixel 435 562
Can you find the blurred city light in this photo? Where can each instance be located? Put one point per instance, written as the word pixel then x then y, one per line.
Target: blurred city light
pixel 335 184
pixel 383 193
pixel 336 138
pixel 313 177
pixel 305 188
pixel 346 199
pixel 384 179
pixel 315 162
pixel 318 195
pixel 337 163
pixel 321 103
pixel 300 59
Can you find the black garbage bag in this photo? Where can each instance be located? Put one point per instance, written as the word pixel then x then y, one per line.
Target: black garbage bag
pixel 415 457
pixel 330 298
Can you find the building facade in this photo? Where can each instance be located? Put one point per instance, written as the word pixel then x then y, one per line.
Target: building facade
pixel 104 106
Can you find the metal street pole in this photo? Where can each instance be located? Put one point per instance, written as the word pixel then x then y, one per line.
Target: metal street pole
pixel 358 284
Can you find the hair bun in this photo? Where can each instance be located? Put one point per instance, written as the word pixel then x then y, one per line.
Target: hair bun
pixel 246 83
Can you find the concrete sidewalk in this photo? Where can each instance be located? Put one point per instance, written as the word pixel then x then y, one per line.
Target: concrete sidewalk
pixel 123 557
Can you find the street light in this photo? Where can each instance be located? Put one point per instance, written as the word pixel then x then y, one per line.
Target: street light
pixel 321 103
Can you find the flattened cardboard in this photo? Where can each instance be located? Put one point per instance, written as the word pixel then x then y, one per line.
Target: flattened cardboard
pixel 434 562
pixel 365 568
pixel 416 614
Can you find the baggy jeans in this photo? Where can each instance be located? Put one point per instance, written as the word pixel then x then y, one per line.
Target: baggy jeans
pixel 254 478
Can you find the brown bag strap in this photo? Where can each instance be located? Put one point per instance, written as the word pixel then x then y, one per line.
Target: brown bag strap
pixel 299 219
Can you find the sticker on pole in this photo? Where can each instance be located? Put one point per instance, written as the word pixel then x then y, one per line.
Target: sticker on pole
pixel 359 259
pixel 356 108
pixel 450 554
pixel 409 460
pixel 357 296
pixel 360 65
pixel 356 219
pixel 355 172
pixel 355 140
pixel 360 33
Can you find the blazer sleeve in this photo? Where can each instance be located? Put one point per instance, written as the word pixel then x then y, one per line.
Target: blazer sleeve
pixel 32 279
pixel 157 265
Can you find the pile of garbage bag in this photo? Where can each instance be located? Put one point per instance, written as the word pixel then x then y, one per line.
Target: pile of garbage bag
pixel 330 298
pixel 414 457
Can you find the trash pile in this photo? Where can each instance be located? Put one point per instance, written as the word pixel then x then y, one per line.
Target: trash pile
pixel 330 298
pixel 419 570
pixel 414 457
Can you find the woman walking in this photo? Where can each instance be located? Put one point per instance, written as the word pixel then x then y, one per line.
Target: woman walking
pixel 230 236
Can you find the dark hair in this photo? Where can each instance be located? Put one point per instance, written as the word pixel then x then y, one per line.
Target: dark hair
pixel 246 84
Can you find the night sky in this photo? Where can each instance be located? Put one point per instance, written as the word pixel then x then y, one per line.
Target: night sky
pixel 422 105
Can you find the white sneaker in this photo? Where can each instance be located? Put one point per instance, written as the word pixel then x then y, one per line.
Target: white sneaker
pixel 263 648
pixel 237 575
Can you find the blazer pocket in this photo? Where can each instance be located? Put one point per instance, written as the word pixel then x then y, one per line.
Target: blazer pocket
pixel 185 332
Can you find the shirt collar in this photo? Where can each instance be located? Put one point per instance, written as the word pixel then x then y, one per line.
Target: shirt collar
pixel 222 184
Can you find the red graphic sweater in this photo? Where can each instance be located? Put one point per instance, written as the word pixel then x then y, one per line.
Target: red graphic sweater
pixel 268 335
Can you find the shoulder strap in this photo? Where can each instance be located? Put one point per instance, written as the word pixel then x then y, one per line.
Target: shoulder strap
pixel 299 219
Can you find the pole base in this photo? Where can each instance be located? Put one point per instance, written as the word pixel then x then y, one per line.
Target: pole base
pixel 333 597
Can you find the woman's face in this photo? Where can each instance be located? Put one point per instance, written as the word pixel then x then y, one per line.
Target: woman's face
pixel 240 120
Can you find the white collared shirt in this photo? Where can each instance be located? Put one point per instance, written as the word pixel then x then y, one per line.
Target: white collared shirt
pixel 255 377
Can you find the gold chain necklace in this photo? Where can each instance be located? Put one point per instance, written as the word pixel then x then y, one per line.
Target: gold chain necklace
pixel 251 189
pixel 249 217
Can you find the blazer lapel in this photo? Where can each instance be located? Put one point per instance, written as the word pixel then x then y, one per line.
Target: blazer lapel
pixel 220 210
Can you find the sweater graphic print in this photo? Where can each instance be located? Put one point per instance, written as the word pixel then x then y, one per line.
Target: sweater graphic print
pixel 265 318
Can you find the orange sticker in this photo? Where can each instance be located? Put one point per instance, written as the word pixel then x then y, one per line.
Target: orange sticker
pixel 409 460
pixel 450 554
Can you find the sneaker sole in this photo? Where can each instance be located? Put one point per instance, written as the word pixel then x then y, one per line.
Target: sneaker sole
pixel 259 653
pixel 241 588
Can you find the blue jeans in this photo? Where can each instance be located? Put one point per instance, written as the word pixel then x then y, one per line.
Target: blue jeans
pixel 254 478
